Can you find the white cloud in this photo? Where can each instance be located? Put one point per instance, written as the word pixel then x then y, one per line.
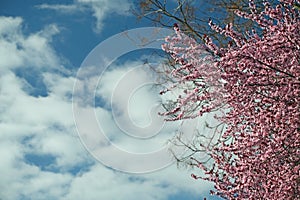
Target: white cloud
pixel 105 8
pixel 103 183
pixel 67 9
pixel 17 49
pixel 101 9
pixel 10 25
pixel 35 120
pixel 43 126
pixel 129 91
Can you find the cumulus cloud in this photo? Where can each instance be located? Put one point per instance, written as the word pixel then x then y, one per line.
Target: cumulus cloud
pixel 40 152
pixel 107 184
pixel 101 9
pixel 33 125
pixel 18 50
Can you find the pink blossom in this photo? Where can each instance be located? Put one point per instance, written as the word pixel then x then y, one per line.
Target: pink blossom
pixel 256 79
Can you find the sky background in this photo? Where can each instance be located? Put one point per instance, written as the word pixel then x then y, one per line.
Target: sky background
pixel 42 46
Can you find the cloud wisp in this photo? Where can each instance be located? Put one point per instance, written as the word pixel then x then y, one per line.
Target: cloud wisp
pixel 101 9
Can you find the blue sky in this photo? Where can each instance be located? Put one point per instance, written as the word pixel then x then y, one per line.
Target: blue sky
pixel 43 44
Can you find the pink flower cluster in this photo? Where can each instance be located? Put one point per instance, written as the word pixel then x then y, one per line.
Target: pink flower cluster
pixel 197 70
pixel 256 79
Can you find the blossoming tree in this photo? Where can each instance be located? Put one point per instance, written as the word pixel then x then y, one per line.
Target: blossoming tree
pixel 255 83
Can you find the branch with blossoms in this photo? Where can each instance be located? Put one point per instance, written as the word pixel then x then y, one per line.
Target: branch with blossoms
pixel 195 71
pixel 254 82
